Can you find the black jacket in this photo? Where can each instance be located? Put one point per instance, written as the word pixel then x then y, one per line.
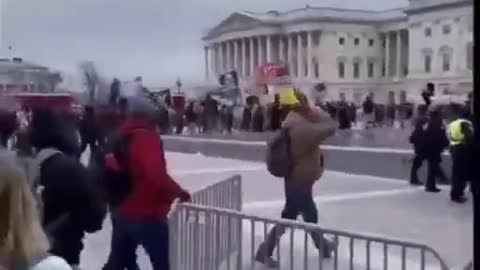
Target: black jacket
pixel 437 140
pixel 69 191
pixel 368 106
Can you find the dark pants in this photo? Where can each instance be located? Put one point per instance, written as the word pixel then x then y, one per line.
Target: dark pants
pixel 460 170
pixel 434 170
pixel 128 234
pixel 298 202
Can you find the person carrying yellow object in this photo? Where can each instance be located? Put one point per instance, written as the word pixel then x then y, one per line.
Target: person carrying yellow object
pixel 305 128
pixel 460 135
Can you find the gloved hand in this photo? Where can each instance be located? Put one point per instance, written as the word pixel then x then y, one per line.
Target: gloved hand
pixel 184 196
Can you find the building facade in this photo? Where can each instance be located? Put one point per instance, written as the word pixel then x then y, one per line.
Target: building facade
pixel 352 51
pixel 17 75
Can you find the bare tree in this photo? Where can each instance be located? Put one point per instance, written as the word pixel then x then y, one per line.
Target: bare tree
pixel 91 79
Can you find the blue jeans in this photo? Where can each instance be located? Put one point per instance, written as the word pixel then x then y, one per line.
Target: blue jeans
pixel 128 234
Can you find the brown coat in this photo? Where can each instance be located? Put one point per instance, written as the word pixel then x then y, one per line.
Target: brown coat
pixel 306 136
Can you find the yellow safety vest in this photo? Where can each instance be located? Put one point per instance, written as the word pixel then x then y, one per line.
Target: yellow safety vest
pixel 455 131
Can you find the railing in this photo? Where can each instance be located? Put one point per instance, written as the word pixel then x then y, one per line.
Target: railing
pixel 353 251
pixel 226 194
pixel 219 240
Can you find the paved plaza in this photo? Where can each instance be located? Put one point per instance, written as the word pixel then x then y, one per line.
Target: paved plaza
pixel 364 204
pixel 383 137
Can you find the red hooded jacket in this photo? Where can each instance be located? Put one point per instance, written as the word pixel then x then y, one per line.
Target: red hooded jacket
pixel 153 189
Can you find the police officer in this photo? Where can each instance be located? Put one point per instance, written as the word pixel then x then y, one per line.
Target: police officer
pixel 430 140
pixel 461 136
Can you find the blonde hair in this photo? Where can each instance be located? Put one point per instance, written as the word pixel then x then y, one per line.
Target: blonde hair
pixel 21 234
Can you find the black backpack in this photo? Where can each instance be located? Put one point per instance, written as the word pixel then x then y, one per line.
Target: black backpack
pixel 117 182
pixel 279 158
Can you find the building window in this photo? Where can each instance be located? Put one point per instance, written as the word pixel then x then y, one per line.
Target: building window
pixel 446 53
pixel 371 69
pixel 447 29
pixel 341 41
pixel 316 38
pixel 446 62
pixel 371 42
pixel 428 32
pixel 356 41
pixel 427 63
pixel 469 54
pixel 356 70
pixel 341 70
pixel 384 69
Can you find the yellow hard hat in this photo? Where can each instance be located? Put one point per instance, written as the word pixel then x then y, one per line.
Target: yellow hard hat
pixel 288 97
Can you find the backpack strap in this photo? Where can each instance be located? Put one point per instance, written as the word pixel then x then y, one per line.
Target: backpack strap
pixel 289 151
pixel 42 156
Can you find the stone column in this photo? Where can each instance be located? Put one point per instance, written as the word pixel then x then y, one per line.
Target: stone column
pixel 236 56
pixel 213 58
pixel 281 48
pixel 207 62
pixel 261 51
pixel 269 49
pixel 290 53
pixel 310 54
pixel 299 55
pixel 399 55
pixel 243 43
pixel 387 55
pixel 221 58
pixel 229 56
pixel 252 56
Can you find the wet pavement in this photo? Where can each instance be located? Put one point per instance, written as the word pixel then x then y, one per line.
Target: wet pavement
pixel 382 152
pixel 375 137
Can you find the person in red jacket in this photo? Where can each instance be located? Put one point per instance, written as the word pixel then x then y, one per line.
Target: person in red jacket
pixel 142 218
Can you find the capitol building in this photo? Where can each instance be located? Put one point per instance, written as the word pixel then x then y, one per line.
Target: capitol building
pixel 353 52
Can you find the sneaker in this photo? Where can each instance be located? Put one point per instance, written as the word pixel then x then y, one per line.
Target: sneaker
pixel 264 259
pixel 433 190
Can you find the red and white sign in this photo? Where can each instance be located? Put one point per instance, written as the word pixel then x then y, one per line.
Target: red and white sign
pixel 271 74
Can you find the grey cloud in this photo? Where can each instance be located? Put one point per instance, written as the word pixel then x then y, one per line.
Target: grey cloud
pixel 159 39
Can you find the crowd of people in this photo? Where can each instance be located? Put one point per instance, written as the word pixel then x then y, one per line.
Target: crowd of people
pixel 209 115
pixel 431 137
pixel 49 200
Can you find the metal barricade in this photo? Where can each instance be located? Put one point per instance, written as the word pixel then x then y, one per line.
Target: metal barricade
pixel 225 194
pixel 294 251
pixel 219 238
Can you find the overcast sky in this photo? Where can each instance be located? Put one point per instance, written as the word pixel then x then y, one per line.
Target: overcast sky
pixel 158 39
